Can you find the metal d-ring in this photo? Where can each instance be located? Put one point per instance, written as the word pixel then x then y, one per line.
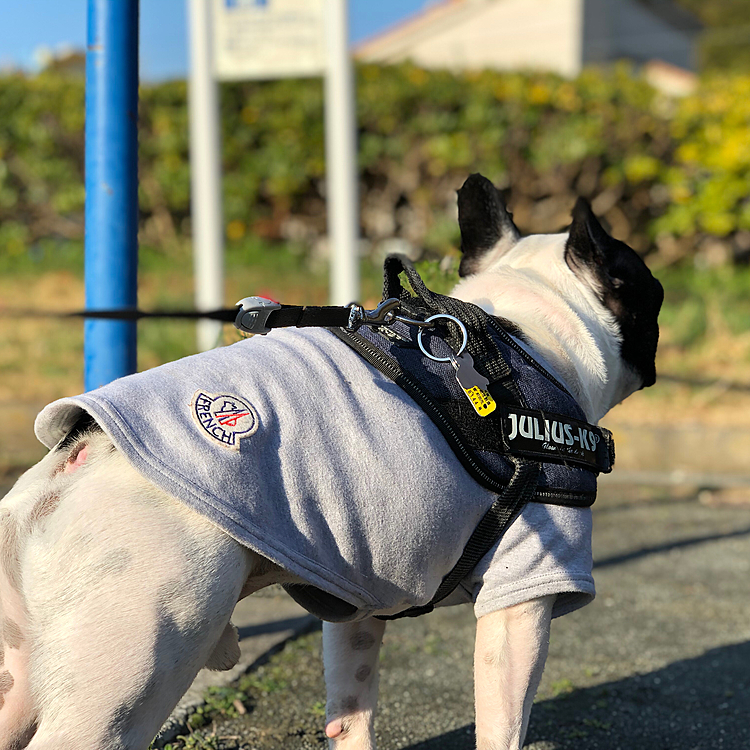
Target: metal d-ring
pixel 460 348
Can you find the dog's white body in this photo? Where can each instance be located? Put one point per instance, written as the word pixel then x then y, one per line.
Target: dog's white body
pixel 113 595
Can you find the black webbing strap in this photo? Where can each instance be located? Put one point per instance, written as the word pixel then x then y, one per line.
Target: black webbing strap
pixel 490 529
pixel 489 361
pixel 285 317
pixel 305 317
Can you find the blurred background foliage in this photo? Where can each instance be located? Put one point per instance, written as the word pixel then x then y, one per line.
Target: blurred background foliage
pixel 725 42
pixel 670 176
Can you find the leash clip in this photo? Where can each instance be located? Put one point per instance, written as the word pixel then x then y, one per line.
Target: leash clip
pixel 383 314
pixel 253 313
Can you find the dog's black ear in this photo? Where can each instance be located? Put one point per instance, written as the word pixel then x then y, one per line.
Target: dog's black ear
pixel 625 286
pixel 587 243
pixel 484 222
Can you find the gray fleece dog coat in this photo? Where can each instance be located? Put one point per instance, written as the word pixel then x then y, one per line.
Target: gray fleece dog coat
pixel 299 449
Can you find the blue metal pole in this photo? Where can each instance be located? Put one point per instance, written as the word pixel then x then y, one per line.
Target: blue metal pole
pixel 111 236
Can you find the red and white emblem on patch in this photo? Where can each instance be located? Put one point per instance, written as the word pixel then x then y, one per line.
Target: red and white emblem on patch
pixel 227 419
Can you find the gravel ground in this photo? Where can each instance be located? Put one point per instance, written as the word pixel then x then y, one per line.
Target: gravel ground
pixel 660 661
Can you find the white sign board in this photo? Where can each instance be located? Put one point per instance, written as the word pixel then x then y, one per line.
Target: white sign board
pixel 265 39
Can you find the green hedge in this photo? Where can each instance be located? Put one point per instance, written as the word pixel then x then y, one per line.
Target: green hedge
pixel 671 177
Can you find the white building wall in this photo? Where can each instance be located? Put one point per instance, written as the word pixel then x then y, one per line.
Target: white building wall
pixel 501 34
pixel 556 35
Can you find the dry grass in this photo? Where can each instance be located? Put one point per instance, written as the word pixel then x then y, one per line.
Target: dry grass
pixel 705 377
pixel 704 381
pixel 42 359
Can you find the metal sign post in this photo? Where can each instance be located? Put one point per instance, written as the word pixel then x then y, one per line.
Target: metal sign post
pixel 205 174
pixel 266 39
pixel 341 159
pixel 111 234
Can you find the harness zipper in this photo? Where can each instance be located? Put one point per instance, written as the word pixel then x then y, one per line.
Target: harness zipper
pixel 510 341
pixel 588 497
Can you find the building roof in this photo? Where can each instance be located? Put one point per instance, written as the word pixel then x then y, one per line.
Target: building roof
pixel 441 13
pixel 426 21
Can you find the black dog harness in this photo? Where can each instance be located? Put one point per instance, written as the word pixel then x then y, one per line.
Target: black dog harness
pixel 513 426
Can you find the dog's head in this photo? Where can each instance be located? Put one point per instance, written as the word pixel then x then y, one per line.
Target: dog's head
pixel 599 280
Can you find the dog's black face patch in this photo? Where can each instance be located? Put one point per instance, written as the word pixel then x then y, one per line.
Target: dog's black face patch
pixel 483 220
pixel 626 287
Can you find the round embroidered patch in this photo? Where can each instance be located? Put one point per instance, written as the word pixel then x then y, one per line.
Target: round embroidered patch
pixel 227 419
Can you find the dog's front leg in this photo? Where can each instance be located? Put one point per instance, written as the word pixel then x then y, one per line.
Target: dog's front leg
pixel 350 655
pixel 511 649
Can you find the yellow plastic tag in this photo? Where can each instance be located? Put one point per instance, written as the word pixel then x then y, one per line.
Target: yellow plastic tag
pixel 481 400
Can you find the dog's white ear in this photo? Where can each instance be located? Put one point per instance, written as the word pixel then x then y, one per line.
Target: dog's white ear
pixel 486 226
pixel 625 286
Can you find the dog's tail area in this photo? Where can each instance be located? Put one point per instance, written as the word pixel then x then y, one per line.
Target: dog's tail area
pixel 18 716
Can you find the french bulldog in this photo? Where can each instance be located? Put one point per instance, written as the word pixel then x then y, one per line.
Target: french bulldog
pixel 114 592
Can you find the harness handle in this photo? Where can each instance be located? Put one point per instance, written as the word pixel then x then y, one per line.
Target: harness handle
pixel 487 358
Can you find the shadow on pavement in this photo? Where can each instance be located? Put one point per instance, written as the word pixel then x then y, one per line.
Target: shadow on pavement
pixel 693 704
pixel 458 739
pixel 618 506
pixel 297 624
pixel 659 548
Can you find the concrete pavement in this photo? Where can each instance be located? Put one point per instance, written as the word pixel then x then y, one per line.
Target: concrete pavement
pixel 660 661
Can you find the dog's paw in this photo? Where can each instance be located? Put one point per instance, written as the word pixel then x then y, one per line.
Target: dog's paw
pixel 334 729
pixel 352 728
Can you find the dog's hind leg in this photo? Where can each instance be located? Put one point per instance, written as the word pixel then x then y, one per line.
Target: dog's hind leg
pixel 127 593
pixel 18 710
pixel 350 655
pixel 511 649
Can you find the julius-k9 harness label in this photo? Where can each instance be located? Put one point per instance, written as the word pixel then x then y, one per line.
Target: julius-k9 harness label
pixel 553 437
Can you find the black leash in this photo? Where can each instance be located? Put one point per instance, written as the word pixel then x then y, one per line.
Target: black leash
pixel 251 315
pixel 225 315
